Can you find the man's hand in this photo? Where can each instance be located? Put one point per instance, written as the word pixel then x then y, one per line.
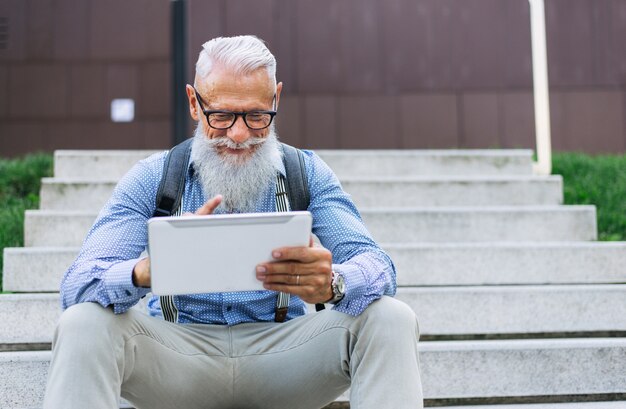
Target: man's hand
pixel 207 208
pixel 302 271
pixel 141 272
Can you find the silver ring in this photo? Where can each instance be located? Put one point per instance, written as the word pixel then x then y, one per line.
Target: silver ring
pixel 298 279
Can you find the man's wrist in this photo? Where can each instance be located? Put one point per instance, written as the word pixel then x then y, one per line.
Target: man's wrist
pixel 337 287
pixel 119 284
pixel 141 273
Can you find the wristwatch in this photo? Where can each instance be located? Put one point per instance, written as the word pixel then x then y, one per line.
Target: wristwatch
pixel 338 285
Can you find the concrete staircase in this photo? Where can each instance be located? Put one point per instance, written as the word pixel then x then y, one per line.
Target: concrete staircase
pixel 517 303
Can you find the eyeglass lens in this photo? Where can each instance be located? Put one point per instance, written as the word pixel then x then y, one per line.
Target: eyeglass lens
pixel 254 120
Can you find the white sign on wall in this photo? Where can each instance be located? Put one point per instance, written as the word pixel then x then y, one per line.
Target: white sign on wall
pixel 122 110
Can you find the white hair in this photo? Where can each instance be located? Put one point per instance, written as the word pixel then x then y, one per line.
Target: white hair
pixel 240 54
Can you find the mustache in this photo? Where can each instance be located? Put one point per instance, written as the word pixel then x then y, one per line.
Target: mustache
pixel 225 142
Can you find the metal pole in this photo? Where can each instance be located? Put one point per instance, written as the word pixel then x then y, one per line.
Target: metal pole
pixel 179 48
pixel 543 166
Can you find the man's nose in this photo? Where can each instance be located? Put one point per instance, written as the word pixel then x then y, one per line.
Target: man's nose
pixel 239 132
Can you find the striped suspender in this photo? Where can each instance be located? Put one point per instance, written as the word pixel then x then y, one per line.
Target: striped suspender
pixel 282 205
pixel 169 202
pixel 170 312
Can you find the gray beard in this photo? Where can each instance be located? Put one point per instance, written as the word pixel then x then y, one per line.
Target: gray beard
pixel 241 182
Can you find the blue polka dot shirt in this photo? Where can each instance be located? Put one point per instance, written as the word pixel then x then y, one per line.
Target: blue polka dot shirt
pixel 102 272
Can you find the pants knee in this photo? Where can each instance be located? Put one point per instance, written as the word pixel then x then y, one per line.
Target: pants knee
pixel 392 316
pixel 83 320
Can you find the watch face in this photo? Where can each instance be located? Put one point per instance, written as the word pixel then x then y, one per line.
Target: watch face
pixel 340 284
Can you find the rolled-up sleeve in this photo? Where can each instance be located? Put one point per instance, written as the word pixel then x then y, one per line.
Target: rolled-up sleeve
pixel 102 272
pixel 368 271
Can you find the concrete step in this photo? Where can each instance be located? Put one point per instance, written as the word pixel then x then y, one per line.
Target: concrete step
pixel 480 224
pixel 113 164
pixel 28 318
pixel 428 162
pixel 455 191
pixel 491 369
pixel 40 269
pixel 342 403
pixel 450 370
pixel 96 164
pixel 36 269
pixel 493 263
pixel 442 311
pixel 528 310
pixel 390 225
pixel 31 318
pixel 23 379
pixel 562 405
pixel 91 194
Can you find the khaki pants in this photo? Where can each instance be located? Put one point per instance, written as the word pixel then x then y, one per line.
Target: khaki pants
pixel 303 363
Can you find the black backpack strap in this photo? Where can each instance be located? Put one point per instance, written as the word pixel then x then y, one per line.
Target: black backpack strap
pixel 297 183
pixel 168 201
pixel 173 180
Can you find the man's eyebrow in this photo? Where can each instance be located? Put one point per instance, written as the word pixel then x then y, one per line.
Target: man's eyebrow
pixel 217 107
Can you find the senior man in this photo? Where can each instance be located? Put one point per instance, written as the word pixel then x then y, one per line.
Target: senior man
pixel 224 350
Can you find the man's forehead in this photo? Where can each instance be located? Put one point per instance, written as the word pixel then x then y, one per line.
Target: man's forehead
pixel 223 81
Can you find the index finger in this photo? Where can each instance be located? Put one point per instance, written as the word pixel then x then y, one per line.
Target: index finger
pixel 209 206
pixel 302 254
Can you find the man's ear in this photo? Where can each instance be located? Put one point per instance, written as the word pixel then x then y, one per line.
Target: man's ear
pixel 279 87
pixel 193 104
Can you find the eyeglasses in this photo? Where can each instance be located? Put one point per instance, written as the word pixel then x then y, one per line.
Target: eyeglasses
pixel 219 119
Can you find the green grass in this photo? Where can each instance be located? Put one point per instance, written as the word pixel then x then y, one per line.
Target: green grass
pixel 598 180
pixel 20 180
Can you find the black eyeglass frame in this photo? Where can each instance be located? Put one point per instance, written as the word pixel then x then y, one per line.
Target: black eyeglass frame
pixel 242 114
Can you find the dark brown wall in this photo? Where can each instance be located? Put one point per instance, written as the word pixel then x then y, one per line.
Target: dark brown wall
pixel 67 59
pixel 357 73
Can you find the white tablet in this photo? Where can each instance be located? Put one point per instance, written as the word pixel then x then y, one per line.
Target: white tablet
pixel 218 253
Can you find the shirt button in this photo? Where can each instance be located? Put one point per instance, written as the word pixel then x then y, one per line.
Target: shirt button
pixel 229 308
